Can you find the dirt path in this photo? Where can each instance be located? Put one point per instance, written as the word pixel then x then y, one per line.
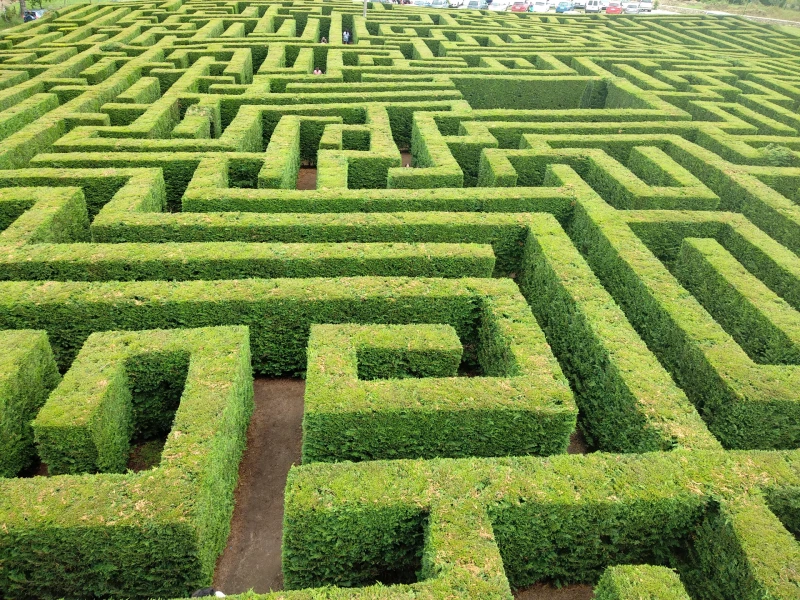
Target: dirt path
pixel 307 178
pixel 547 592
pixel 252 558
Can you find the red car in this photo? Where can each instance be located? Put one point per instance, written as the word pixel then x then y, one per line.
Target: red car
pixel 519 7
pixel 614 8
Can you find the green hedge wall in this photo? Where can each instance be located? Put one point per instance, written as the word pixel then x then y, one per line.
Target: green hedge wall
pixel 119 386
pixel 278 311
pixel 760 321
pixel 558 518
pixel 521 404
pixel 640 582
pixel 745 405
pixel 383 352
pixel 628 401
pixel 156 533
pixel 27 375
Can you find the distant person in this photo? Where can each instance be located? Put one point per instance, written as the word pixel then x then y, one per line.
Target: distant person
pixel 317 71
pixel 208 592
pixel 346 36
pixel 324 40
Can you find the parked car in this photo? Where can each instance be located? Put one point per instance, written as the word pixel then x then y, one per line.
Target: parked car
pixel 592 6
pixel 519 6
pixel 455 3
pixel 539 6
pixel 500 5
pixel 579 4
pixel 614 8
pixel 32 15
pixel 422 2
pixel 563 7
pixel 646 6
pixel 631 8
pixel 476 5
pixel 440 4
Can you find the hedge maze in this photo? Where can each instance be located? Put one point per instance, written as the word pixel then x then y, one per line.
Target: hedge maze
pixel 596 226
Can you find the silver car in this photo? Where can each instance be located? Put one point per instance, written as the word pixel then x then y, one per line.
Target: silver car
pixel 631 8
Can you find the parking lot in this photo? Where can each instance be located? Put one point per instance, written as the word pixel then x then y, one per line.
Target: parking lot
pixel 570 7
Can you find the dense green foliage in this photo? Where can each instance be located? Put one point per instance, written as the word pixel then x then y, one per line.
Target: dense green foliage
pixel 27 375
pixel 486 239
pixel 148 534
pixel 640 582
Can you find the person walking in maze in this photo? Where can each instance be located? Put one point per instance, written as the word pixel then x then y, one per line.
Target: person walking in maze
pixel 346 36
pixel 323 40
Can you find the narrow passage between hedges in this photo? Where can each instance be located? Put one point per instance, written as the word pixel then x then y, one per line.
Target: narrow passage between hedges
pixel 307 178
pixel 548 592
pixel 252 558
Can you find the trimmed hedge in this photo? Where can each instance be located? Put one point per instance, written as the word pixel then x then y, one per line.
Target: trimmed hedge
pixel 627 400
pixel 382 352
pixel 761 322
pixel 120 386
pixel 534 519
pixel 27 375
pixel 665 154
pixel 741 550
pixel 640 582
pixel 521 404
pixel 237 260
pixel 279 311
pixel 139 535
pixel 744 404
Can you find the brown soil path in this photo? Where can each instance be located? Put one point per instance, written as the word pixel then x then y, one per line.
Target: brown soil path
pixel 542 591
pixel 252 558
pixel 307 178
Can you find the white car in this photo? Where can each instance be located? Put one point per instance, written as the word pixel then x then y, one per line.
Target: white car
pixel 476 5
pixel 455 3
pixel 439 4
pixel 499 5
pixel 540 6
pixel 631 8
pixel 646 6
